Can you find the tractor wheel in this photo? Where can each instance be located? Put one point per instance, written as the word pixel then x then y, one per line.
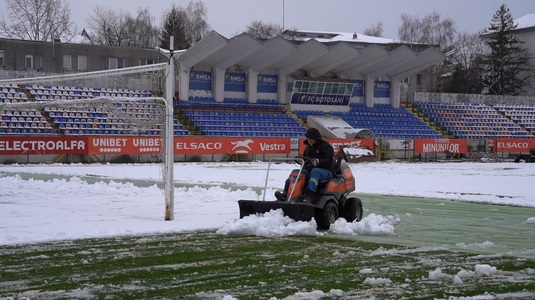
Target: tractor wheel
pixel 326 216
pixel 353 210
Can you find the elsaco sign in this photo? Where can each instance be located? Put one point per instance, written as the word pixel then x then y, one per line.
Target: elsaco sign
pixel 211 145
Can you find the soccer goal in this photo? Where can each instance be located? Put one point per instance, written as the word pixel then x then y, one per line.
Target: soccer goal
pixel 126 101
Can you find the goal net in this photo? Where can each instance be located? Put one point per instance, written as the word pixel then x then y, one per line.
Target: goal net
pixel 124 102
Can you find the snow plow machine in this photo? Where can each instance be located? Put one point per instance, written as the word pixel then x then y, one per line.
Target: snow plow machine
pixel 330 202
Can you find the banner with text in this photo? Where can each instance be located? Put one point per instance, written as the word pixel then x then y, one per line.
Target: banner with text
pixel 234 82
pixel 319 99
pixel 224 145
pixel 134 145
pixel 358 88
pixel 381 89
pixel 337 143
pixel 200 80
pixel 440 146
pixel 125 145
pixel 21 145
pixel 512 145
pixel 266 83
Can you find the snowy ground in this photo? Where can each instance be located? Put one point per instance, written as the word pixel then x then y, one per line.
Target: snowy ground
pixel 57 202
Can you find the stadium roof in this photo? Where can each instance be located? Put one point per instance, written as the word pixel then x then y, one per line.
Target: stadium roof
pixel 341 59
pixel 525 22
pixel 334 37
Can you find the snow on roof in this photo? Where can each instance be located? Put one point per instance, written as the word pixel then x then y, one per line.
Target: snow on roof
pixel 527 21
pixel 352 37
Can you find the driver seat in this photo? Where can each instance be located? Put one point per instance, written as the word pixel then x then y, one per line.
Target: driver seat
pixel 337 171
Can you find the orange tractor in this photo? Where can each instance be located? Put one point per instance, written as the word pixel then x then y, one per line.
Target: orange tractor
pixel 331 201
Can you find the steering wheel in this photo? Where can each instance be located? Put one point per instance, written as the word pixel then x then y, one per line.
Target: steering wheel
pixel 307 160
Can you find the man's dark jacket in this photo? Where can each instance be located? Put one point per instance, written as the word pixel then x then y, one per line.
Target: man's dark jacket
pixel 321 150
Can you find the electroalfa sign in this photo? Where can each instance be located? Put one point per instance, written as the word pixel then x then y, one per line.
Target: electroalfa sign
pixel 17 145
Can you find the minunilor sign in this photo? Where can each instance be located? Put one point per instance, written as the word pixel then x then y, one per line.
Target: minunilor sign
pixel 440 146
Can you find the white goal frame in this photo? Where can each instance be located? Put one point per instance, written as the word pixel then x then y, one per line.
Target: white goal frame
pixel 168 151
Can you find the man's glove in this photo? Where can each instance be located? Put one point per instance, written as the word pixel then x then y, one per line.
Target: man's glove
pixel 315 162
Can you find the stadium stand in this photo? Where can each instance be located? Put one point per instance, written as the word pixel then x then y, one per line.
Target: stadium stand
pixel 472 121
pixel 523 115
pixel 93 121
pixel 237 117
pixel 384 121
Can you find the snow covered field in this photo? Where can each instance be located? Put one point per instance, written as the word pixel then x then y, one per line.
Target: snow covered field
pixel 57 202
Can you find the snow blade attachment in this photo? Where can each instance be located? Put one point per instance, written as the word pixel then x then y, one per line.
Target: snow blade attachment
pixel 295 210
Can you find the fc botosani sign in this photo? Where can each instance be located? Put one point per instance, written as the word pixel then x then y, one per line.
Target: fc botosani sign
pixel 102 145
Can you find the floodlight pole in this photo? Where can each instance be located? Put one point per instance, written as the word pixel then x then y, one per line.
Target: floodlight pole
pixel 169 136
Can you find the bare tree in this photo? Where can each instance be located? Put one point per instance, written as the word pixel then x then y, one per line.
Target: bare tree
pixel 141 31
pixel 38 20
pixel 196 25
pixel 263 31
pixel 430 30
pixel 111 28
pixel 108 28
pixel 376 30
pixel 187 25
pixel 464 61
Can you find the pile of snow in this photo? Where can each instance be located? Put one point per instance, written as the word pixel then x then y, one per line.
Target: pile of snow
pixel 358 151
pixel 275 223
pixel 377 281
pixel 480 270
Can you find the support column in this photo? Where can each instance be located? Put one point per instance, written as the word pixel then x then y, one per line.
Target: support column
pixel 252 85
pixel 395 85
pixel 281 87
pixel 368 91
pixel 183 83
pixel 218 81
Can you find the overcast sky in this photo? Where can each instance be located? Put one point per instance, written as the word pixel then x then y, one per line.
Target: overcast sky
pixel 229 17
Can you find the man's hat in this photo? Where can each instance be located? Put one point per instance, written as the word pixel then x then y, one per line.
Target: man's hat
pixel 313 133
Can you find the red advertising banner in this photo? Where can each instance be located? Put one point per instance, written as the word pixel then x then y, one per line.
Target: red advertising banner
pixel 125 145
pixel 336 143
pixel 512 145
pixel 440 146
pixel 131 145
pixel 22 145
pixel 224 145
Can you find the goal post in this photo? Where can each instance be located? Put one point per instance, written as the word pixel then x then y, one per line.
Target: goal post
pixel 124 116
pixel 119 95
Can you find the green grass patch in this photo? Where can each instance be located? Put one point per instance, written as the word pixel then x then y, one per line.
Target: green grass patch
pixel 205 265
